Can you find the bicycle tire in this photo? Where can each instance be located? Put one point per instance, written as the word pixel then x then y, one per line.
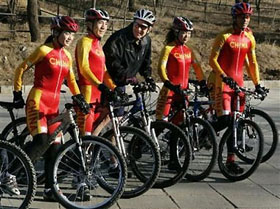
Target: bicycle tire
pixel 23 137
pixel 166 134
pixel 8 134
pixel 203 157
pixel 166 131
pixel 140 184
pixel 26 181
pixel 99 171
pixel 249 168
pixel 268 127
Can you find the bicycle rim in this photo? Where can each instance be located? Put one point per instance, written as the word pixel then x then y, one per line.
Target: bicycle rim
pixel 19 165
pixel 204 149
pixel 250 135
pixel 143 160
pixel 21 138
pixel 69 178
pixel 174 152
pixel 269 130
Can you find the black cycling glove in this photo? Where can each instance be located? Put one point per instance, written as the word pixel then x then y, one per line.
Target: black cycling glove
pixel 151 82
pixel 203 87
pixel 18 99
pixel 107 94
pixel 229 81
pixel 175 88
pixel 261 90
pixel 81 103
pixel 121 94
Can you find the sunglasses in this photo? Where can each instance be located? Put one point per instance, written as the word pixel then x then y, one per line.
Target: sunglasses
pixel 138 25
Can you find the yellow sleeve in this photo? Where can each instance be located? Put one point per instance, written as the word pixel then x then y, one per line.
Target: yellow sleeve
pixel 216 49
pixel 34 58
pixel 163 62
pixel 83 49
pixel 197 68
pixel 71 79
pixel 253 67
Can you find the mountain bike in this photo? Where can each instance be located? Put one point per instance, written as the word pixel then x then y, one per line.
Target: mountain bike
pixel 167 137
pixel 241 135
pixel 69 165
pixel 17 184
pixel 140 152
pixel 81 161
pixel 201 134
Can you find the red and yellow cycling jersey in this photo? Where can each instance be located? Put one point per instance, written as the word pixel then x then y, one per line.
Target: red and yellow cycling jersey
pixel 175 62
pixel 90 61
pixel 230 50
pixel 174 65
pixel 52 65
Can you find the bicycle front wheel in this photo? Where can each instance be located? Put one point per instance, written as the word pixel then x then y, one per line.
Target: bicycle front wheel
pixel 175 153
pixel 17 170
pixel 142 158
pixel 77 186
pixel 269 130
pixel 248 135
pixel 204 149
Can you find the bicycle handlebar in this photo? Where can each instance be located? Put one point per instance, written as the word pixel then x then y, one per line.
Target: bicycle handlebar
pixel 142 87
pixel 250 92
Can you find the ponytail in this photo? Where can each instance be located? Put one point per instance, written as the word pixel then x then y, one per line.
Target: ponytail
pixel 49 39
pixel 170 36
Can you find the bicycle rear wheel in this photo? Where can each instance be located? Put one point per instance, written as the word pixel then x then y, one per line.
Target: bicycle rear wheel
pixel 13 161
pixel 172 141
pixel 68 176
pixel 17 132
pixel 249 134
pixel 204 149
pixel 143 160
pixel 269 130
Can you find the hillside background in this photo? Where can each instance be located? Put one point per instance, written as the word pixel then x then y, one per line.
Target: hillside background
pixel 209 18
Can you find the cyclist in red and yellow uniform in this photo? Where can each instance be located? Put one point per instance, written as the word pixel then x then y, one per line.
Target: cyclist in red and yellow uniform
pixel 230 49
pixel 91 67
pixel 53 63
pixel 174 65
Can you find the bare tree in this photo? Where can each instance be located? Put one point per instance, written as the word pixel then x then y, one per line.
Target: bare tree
pixel 258 3
pixel 131 5
pixel 12 4
pixel 33 21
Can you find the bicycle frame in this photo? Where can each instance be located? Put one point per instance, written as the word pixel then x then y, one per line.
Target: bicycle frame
pixel 139 106
pixel 188 114
pixel 237 115
pixel 116 129
pixel 67 121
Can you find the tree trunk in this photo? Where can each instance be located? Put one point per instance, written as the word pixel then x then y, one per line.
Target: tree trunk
pixel 131 5
pixel 258 3
pixel 33 21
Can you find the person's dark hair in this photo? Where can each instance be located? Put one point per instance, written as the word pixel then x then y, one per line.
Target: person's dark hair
pixel 49 39
pixel 93 21
pixel 170 36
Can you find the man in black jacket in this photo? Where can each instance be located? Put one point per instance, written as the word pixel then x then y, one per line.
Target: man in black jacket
pixel 128 51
